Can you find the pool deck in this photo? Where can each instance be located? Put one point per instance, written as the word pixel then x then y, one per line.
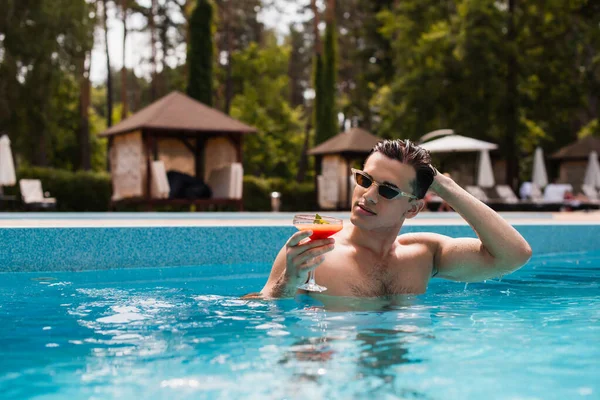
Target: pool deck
pixel 149 219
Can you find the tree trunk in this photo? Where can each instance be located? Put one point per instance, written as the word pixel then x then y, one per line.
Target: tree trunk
pixel 512 101
pixel 109 105
pixel 228 78
pixel 84 104
pixel 313 6
pixel 124 105
pixel 186 11
pixel 153 91
pixel 163 83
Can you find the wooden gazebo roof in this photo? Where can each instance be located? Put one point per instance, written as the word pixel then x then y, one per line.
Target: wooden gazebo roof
pixel 354 140
pixel 579 150
pixel 178 112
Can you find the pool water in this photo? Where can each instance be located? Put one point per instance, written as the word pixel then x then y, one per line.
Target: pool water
pixel 183 333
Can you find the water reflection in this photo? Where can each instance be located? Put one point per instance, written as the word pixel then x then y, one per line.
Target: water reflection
pixel 358 346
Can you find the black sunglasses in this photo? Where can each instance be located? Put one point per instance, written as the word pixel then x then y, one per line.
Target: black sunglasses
pixel 386 191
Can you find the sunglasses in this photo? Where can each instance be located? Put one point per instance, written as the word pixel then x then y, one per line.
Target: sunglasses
pixel 386 191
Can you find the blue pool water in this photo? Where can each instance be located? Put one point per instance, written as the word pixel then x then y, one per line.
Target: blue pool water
pixel 183 333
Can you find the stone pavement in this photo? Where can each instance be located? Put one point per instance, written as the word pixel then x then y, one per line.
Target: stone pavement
pixel 116 219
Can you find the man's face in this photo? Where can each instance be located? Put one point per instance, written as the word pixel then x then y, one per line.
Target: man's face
pixel 369 209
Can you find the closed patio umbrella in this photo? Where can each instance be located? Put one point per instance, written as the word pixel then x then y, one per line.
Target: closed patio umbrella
pixel 592 172
pixel 485 174
pixel 539 176
pixel 7 165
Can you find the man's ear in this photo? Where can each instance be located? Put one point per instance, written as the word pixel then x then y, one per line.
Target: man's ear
pixel 416 207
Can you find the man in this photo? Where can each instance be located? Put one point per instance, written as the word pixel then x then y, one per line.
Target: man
pixel 369 258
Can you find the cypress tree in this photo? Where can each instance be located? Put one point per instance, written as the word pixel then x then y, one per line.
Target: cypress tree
pixel 200 53
pixel 328 116
pixel 318 104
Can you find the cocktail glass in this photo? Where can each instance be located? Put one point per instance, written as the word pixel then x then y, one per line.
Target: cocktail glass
pixel 322 227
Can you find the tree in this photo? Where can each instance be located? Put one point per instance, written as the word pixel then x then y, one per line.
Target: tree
pixel 109 92
pixel 200 53
pixel 263 103
pixel 326 125
pixel 237 26
pixel 124 102
pixel 42 45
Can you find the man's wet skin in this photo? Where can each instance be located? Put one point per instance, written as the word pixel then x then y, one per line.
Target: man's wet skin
pixel 370 258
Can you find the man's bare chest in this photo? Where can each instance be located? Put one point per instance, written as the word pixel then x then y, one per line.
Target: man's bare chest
pixel 345 275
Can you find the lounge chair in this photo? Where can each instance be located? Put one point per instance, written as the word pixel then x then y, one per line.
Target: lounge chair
pixel 591 193
pixel 478 193
pixel 500 199
pixel 506 193
pixel 33 195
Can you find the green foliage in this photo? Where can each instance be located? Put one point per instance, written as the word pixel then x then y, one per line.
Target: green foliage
pixel 42 44
pixel 74 191
pixel 318 119
pixel 294 196
pixel 263 103
pixel 402 69
pixel 325 81
pixel 591 129
pixel 452 70
pixel 200 53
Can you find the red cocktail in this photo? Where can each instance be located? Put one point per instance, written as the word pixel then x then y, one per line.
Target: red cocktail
pixel 322 227
pixel 320 231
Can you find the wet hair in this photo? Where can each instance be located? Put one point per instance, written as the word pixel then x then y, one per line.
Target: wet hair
pixel 409 153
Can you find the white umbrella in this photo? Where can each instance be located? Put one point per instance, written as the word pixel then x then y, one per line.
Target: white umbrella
pixel 540 177
pixel 7 166
pixel 456 143
pixel 485 175
pixel 434 134
pixel 592 173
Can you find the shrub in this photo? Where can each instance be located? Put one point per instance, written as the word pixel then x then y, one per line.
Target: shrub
pixel 91 191
pixel 294 196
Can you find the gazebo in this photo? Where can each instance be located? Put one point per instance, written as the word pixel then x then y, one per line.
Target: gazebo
pixel 334 159
pixel 183 135
pixel 573 158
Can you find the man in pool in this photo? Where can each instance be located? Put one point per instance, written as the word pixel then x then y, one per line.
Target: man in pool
pixel 369 258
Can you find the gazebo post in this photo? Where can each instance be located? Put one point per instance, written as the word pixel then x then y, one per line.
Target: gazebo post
pixel 348 160
pixel 149 141
pixel 318 160
pixel 110 147
pixel 199 158
pixel 239 144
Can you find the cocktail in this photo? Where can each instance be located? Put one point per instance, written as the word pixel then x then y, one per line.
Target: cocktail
pixel 322 227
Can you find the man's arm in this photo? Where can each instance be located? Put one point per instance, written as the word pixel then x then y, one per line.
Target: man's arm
pixel 499 250
pixel 292 265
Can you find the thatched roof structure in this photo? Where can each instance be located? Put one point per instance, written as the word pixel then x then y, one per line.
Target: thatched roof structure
pixel 352 141
pixel 178 112
pixel 579 150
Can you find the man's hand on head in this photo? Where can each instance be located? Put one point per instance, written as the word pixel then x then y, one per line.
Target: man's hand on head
pixel 439 180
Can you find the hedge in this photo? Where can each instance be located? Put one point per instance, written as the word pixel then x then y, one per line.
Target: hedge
pixel 91 191
pixel 294 196
pixel 74 191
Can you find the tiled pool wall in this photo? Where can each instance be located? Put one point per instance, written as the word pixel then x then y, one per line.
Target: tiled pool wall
pixel 78 249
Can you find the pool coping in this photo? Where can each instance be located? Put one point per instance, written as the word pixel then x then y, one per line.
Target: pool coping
pixel 218 219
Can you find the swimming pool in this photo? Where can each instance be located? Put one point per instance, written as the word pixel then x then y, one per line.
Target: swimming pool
pixel 183 332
